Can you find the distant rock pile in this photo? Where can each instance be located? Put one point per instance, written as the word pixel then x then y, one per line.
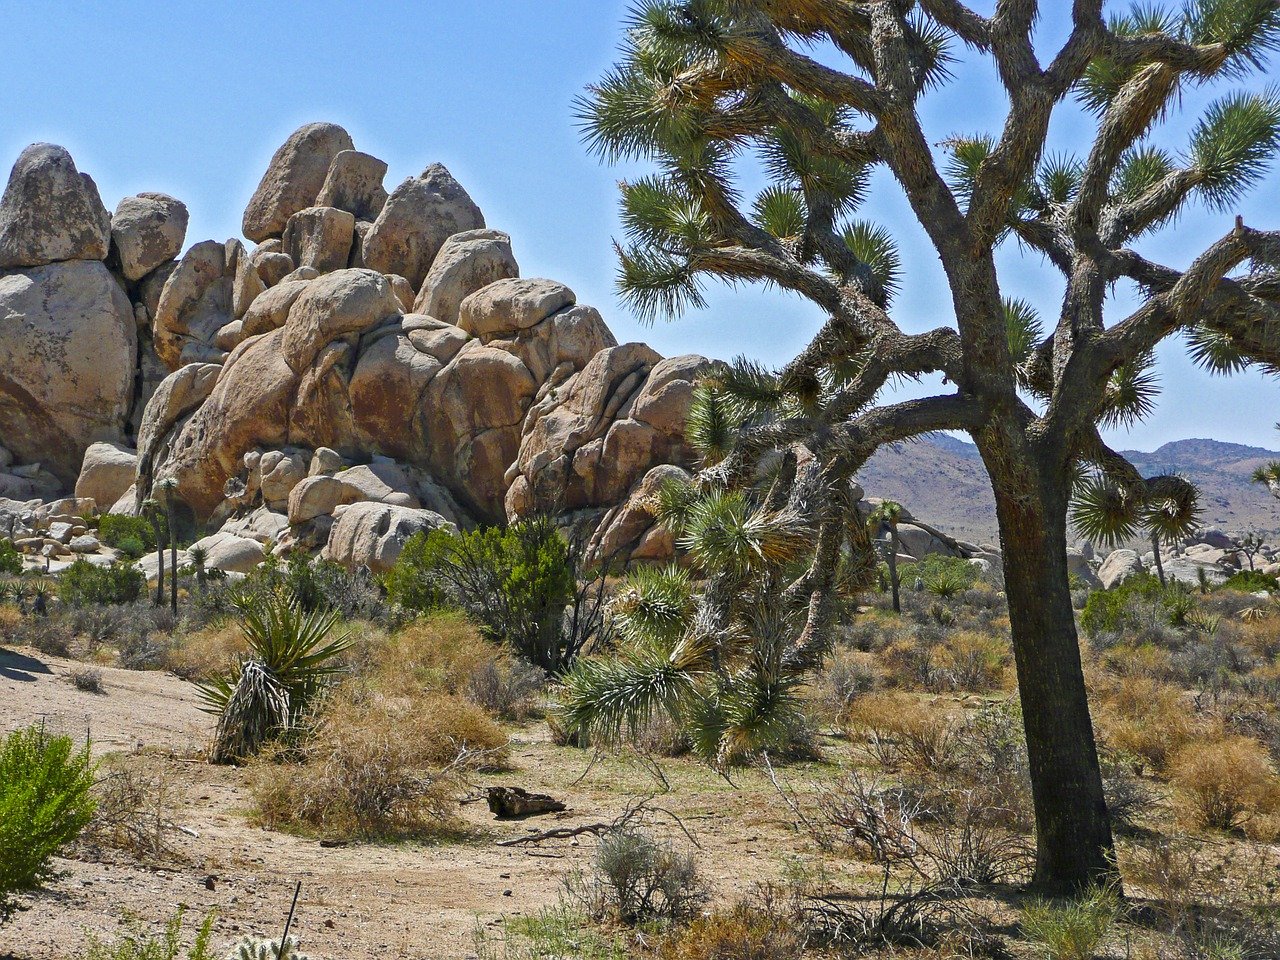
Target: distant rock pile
pixel 374 366
pixel 1210 553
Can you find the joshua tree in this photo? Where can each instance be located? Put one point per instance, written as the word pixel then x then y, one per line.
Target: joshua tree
pixel 151 508
pixel 167 487
pixel 199 559
pixel 705 86
pixel 886 517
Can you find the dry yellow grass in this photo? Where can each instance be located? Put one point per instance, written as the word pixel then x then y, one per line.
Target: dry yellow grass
pixel 207 652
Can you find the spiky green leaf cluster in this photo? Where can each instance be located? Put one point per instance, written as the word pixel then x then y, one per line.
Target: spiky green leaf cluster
pixel 1232 145
pixel 729 684
pixel 1131 393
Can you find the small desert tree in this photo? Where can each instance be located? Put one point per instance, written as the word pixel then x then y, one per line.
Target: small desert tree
pixel 704 86
pixel 886 517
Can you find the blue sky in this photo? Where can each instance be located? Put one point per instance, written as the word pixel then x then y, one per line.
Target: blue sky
pixel 193 98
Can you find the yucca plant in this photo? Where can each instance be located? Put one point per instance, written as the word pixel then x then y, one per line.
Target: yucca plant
pixel 290 660
pixel 723 659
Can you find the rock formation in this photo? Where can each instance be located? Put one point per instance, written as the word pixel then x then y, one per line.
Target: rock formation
pixel 374 366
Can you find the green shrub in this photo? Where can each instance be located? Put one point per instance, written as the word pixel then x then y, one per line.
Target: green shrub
pixel 10 558
pixel 515 583
pixel 139 944
pixel 1073 930
pixel 115 528
pixel 132 547
pixel 1251 581
pixel 1138 602
pixel 83 584
pixel 941 576
pixel 415 582
pixel 44 804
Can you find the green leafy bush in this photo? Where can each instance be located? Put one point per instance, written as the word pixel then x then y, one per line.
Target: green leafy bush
pixel 1139 601
pixel 941 576
pixel 415 582
pixel 115 528
pixel 83 583
pixel 1251 581
pixel 516 583
pixel 132 547
pixel 10 558
pixel 44 804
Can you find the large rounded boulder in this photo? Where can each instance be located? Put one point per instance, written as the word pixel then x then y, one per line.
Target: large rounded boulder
pixel 68 352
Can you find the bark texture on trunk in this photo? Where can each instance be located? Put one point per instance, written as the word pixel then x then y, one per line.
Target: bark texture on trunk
pixel 1074 845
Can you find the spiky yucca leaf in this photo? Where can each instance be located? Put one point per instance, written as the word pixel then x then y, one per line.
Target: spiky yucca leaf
pixel 1215 350
pixel 712 422
pixel 967 154
pixel 1058 179
pixel 874 246
pixel 1131 392
pixel 1233 143
pixel 780 212
pixel 1101 512
pixel 1175 511
pixel 654 605
pixel 654 284
pixel 1247 29
pixel 1140 169
pixel 1024 331
pixel 723 533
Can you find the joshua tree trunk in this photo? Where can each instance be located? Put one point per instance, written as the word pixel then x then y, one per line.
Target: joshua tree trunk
pixel 1073 829
pixel 173 565
pixel 1155 548
pixel 893 568
pixel 160 568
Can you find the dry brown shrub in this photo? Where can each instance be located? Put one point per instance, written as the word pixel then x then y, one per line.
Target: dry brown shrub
pixel 207 652
pixel 1225 784
pixel 1261 636
pixel 744 932
pixel 136 805
pixel 377 766
pixel 1148 719
pixel 440 653
pixel 1148 661
pixel 900 732
pixel 969 660
pixel 10 618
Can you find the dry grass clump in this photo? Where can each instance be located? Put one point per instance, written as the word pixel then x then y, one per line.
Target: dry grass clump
pixel 970 660
pixel 445 653
pixel 743 932
pixel 377 766
pixel 10 619
pixel 207 652
pixel 899 731
pixel 1148 719
pixel 1226 784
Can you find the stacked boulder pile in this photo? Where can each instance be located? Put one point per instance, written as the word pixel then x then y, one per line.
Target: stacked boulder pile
pixel 1209 553
pixel 372 366
pixel 369 365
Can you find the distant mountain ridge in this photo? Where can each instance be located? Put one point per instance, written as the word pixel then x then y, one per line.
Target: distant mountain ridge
pixel 941 479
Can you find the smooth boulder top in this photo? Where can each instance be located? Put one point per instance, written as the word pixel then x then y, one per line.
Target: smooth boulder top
pixel 146 231
pixel 294 178
pixel 51 212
